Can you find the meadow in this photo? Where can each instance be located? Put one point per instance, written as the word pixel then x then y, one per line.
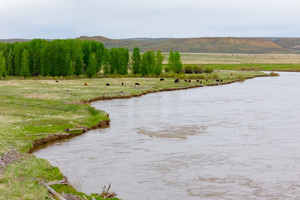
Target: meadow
pixel 227 61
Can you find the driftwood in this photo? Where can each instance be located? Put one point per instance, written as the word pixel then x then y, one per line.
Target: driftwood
pixel 62 182
pixel 52 191
pixel 106 194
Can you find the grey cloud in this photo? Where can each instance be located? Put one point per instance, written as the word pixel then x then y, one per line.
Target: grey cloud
pixel 148 18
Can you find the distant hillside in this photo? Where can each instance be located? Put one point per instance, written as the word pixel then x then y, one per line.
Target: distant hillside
pixel 13 40
pixel 201 45
pixel 290 43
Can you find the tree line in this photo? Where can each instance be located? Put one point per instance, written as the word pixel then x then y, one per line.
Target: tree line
pixel 77 57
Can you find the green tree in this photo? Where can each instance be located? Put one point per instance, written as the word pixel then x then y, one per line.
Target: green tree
pixel 2 65
pixel 136 61
pixel 18 57
pixel 158 63
pixel 10 61
pixel 25 64
pixel 174 62
pixel 106 62
pixel 92 67
pixel 144 65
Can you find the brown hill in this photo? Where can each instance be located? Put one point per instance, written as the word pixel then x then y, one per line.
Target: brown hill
pixel 197 45
pixel 290 43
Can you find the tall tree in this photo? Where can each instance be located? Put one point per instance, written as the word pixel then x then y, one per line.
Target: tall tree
pixel 136 61
pixel 92 67
pixel 144 65
pixel 10 60
pixel 25 64
pixel 2 65
pixel 175 63
pixel 18 57
pixel 106 61
pixel 158 63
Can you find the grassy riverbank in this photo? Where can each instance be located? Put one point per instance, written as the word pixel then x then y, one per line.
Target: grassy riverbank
pixel 34 109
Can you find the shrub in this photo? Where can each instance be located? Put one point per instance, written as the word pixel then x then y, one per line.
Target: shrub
pixel 215 76
pixel 197 69
pixel 188 69
pixel 208 70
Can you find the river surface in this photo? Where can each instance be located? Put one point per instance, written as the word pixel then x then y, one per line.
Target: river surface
pixel 237 141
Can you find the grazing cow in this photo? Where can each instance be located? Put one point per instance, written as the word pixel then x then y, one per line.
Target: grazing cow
pixel 162 79
pixel 85 84
pixel 206 80
pixel 185 80
pixel 197 80
pixel 221 80
pixel 137 84
pixel 122 83
pixel 177 81
pixel 201 82
pixel 107 84
pixel 217 80
pixel 190 81
pixel 56 81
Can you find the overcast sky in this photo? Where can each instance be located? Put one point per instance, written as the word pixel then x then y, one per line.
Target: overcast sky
pixel 149 18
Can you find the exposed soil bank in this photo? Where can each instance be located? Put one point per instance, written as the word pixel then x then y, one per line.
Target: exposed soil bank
pixel 70 133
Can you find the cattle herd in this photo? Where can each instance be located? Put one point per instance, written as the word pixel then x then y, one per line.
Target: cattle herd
pixel 162 79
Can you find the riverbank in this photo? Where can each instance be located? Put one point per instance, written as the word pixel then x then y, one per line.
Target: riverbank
pixel 32 110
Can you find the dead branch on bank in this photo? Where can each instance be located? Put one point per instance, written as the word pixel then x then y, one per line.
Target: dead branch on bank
pixel 106 194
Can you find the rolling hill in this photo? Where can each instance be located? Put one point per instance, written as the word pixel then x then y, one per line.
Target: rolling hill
pixel 204 45
pixel 200 45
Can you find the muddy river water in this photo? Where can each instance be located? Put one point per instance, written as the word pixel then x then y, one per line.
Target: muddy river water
pixel 237 141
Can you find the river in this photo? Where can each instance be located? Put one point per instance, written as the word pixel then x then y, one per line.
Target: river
pixel 237 141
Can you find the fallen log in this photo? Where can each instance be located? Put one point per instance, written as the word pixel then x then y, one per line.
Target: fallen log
pixel 52 191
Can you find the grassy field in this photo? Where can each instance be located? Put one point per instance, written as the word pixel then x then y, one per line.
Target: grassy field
pixel 261 62
pixel 33 109
pixel 227 58
pixel 259 67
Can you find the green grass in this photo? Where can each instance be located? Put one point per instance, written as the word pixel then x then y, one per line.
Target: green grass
pixel 32 109
pixel 229 58
pixel 259 67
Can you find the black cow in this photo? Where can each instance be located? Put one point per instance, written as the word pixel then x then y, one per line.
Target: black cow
pixel 177 81
pixel 137 84
pixel 162 79
pixel 107 84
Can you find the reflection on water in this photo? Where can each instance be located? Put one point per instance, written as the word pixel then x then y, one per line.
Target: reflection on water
pixel 239 141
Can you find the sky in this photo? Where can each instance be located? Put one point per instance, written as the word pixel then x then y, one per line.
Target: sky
pixel 149 18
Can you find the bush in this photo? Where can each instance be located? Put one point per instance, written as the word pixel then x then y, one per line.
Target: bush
pixel 215 76
pixel 188 69
pixel 208 70
pixel 198 69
